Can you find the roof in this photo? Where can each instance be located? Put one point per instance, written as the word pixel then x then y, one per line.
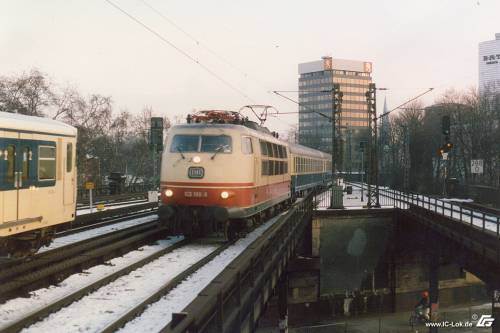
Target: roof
pixel 294 148
pixel 306 151
pixel 20 122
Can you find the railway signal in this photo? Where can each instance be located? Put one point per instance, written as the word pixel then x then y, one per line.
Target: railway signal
pixel 156 134
pixel 445 125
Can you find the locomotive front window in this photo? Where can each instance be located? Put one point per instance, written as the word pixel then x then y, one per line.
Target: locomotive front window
pixel 219 143
pixel 185 143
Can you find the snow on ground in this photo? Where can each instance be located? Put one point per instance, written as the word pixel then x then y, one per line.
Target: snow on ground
pixel 69 239
pixel 19 307
pixel 83 206
pixel 97 310
pixel 159 314
pixel 83 211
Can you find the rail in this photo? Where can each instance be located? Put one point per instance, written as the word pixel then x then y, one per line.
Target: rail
pixel 236 298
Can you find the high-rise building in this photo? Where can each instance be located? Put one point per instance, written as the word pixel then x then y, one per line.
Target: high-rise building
pixel 489 65
pixel 316 81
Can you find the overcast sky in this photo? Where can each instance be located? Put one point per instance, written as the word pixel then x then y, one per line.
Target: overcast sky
pixel 251 47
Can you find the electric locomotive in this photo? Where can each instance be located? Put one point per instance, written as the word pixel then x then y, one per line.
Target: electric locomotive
pixel 223 173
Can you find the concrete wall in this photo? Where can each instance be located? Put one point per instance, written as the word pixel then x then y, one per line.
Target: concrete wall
pixel 350 246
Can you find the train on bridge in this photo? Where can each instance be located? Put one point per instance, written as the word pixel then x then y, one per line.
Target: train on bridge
pixel 223 173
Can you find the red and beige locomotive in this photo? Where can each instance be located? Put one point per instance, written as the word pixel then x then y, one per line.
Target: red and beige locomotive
pixel 222 173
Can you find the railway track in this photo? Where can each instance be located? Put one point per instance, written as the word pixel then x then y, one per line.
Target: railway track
pixel 120 319
pixel 51 266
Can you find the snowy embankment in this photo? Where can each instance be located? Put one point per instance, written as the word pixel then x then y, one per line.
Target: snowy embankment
pixel 19 307
pixel 85 210
pixel 87 234
pixel 101 307
pixel 159 314
pixel 94 311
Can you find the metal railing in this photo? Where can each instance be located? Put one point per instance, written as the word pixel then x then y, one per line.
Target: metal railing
pixel 486 221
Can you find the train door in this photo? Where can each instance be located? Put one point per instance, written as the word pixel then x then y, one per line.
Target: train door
pixel 26 177
pixel 17 174
pixel 8 183
pixel 69 175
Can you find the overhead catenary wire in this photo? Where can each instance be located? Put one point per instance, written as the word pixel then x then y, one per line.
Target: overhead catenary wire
pixel 403 104
pixel 377 118
pixel 181 51
pixel 201 44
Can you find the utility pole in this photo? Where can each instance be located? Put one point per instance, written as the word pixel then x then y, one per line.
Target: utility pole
pixel 156 144
pixel 335 119
pixel 349 152
pixel 373 193
pixel 407 160
pixel 362 146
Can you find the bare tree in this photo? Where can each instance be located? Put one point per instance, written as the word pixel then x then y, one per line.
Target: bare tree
pixel 28 93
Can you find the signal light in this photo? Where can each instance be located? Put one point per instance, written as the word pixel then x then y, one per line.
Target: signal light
pixel 445 125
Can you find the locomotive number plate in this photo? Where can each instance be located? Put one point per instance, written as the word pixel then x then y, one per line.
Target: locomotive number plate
pixel 195 194
pixel 196 172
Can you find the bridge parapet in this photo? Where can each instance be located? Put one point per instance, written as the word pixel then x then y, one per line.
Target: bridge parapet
pixel 486 221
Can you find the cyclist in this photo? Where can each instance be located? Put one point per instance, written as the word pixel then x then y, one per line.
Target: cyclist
pixel 423 306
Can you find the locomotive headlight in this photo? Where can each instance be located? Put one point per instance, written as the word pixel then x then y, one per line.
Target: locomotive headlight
pixel 197 159
pixel 224 194
pixel 169 193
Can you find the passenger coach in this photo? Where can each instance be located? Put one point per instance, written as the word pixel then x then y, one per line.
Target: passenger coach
pixel 37 181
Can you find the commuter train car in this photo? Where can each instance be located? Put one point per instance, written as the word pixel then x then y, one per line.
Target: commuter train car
pixel 37 181
pixel 222 173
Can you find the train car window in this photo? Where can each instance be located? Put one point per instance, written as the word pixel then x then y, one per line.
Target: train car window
pixel 263 148
pixel 46 163
pixel 285 155
pixel 185 143
pixel 69 157
pixel 246 145
pixel 220 143
pixel 10 157
pixel 282 167
pixel 265 168
pixel 27 156
pixel 275 149
pixel 282 149
pixel 271 168
pixel 286 167
pixel 270 149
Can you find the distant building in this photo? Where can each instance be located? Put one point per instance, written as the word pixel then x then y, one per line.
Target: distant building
pixel 316 81
pixel 489 65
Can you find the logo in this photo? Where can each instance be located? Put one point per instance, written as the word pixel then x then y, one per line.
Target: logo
pixel 368 67
pixel 196 172
pixel 485 321
pixel 491 59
